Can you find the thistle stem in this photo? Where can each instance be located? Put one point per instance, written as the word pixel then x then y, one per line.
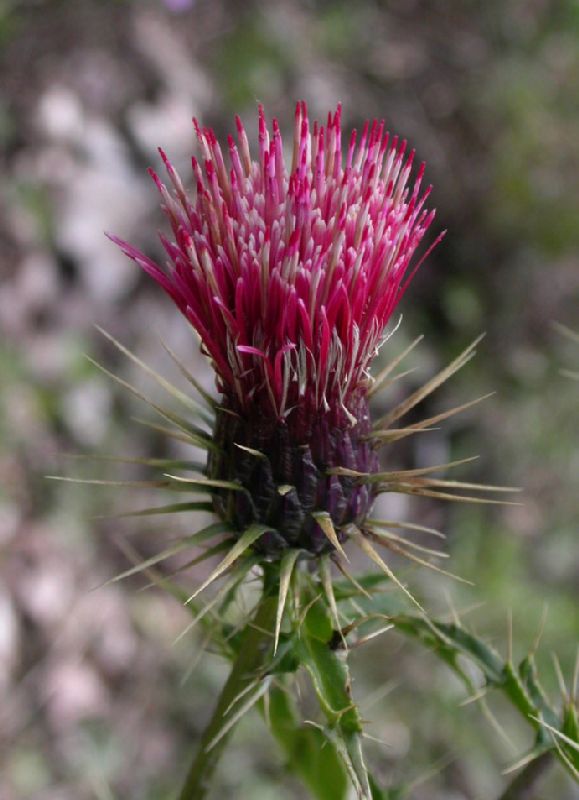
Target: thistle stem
pixel 256 640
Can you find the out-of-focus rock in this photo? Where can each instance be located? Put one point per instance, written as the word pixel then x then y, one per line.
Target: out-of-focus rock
pixel 86 410
pixel 73 691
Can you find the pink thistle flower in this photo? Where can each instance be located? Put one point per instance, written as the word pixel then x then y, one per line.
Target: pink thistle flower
pixel 290 276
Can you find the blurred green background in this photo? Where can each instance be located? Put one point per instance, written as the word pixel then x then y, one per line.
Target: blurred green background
pixel 97 702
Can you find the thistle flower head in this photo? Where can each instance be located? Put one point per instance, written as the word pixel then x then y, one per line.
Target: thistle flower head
pixel 289 274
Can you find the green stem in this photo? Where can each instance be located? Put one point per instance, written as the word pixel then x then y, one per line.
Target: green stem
pixel 256 641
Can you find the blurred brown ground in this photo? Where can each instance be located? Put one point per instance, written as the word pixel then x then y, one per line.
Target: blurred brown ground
pixel 93 699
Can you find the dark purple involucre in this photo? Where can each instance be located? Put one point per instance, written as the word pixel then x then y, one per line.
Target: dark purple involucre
pixel 284 467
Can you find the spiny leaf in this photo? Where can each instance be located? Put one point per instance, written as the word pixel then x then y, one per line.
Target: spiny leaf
pixel 156 578
pixel 258 691
pixel 241 694
pixel 530 679
pixel 231 584
pixel 450 640
pixel 365 545
pixel 570 722
pixel 208 552
pixel 350 750
pixel 189 377
pixel 324 520
pixel 516 691
pixel 317 622
pixel 308 751
pixel 374 634
pixel 201 649
pixel 376 477
pixel 381 533
pixel 162 582
pixel 412 526
pixel 247 538
pixel 397 377
pixel 564 757
pixel 203 535
pixel 430 386
pixel 288 563
pixel 184 399
pixel 362 620
pixel 104 482
pixel 252 451
pixel 402 488
pixel 364 586
pixel 156 559
pixel 172 485
pixel 412 557
pixel 439 634
pixel 420 471
pixel 559 673
pixel 168 463
pixel 574 745
pixel 358 586
pixel 426 424
pixel 331 682
pixel 389 368
pixel 483 487
pixel 209 482
pixel 391 435
pixel 570 730
pixel 172 508
pixel 431 634
pixel 327 583
pixel 172 433
pixel 196 435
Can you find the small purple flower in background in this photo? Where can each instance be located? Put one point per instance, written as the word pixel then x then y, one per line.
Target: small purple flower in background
pixel 289 276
